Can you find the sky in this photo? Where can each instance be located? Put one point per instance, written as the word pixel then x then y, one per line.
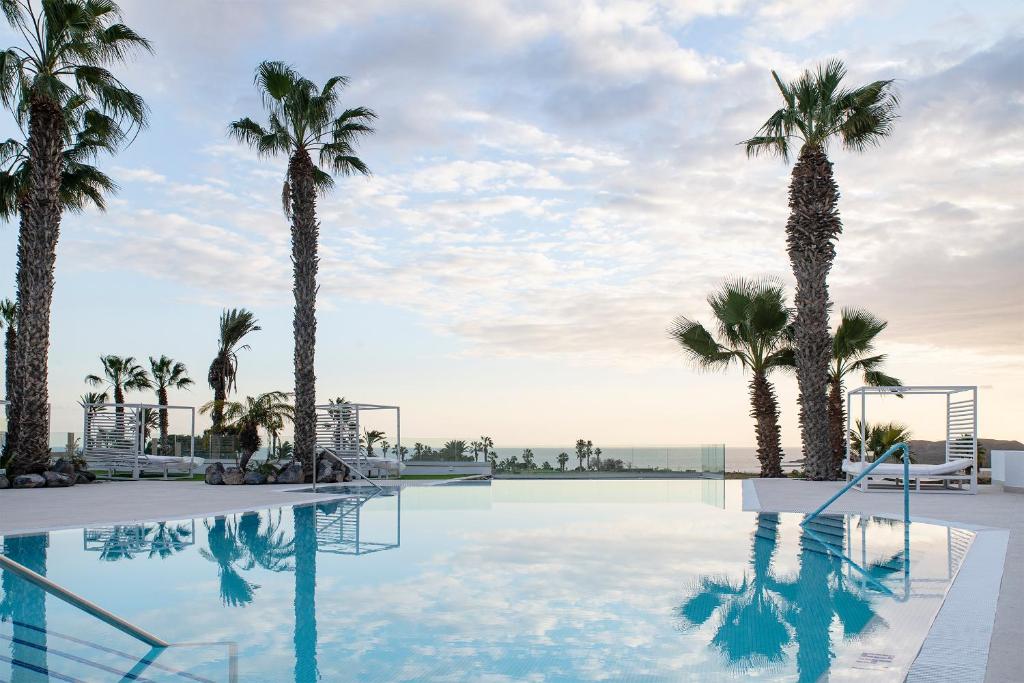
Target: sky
pixel 552 183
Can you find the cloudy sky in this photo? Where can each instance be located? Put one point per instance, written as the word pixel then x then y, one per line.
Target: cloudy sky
pixel 553 182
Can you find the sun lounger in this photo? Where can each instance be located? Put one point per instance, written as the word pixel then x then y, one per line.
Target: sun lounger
pixel 956 469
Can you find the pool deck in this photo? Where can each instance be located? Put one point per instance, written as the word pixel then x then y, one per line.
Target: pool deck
pixel 990 508
pixel 31 511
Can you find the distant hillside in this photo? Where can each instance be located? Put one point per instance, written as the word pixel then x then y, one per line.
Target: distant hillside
pixel 935 451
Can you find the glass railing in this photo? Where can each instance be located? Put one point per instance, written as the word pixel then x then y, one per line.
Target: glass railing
pixel 703 459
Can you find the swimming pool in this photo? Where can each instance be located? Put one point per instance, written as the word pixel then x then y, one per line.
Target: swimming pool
pixel 512 581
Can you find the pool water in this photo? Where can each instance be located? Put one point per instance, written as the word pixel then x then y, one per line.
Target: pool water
pixel 515 581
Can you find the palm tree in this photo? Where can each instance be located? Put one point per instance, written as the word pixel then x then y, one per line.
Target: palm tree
pixel 475 447
pixel 167 374
pixel 486 445
pixel 120 374
pixel 563 458
pixel 879 438
pixel 247 418
pixel 754 327
pixel 93 400
pixel 817 109
pixel 9 322
pixel 303 120
pixel 455 449
pixel 222 377
pixel 370 438
pixel 528 459
pixel 61 67
pixel 581 452
pixel 285 450
pixel 852 347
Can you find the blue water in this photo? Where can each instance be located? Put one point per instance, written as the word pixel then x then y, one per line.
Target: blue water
pixel 516 581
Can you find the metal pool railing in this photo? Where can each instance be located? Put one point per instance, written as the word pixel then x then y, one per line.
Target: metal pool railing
pixel 906 511
pixel 81 603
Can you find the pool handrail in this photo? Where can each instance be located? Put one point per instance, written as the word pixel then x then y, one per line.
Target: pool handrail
pixel 81 603
pixel 901 446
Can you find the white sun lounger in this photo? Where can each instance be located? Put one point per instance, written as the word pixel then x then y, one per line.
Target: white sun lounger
pixel 956 469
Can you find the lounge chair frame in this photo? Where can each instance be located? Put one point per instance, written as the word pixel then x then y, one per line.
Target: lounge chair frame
pixel 115 442
pixel 961 463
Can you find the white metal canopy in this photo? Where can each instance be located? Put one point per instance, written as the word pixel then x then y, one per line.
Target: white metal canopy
pixel 961 424
pixel 114 438
pixel 338 430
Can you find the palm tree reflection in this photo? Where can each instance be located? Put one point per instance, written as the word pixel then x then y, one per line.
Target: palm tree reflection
pixel 245 543
pixel 24 604
pixel 762 615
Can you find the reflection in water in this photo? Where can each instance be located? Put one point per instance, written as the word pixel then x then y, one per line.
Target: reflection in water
pixel 24 605
pixel 242 544
pixel 759 617
pixel 125 541
pixel 304 636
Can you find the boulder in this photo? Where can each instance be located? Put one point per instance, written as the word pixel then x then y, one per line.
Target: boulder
pixel 254 479
pixel 81 478
pixel 233 476
pixel 5 483
pixel 325 472
pixel 271 478
pixel 86 474
pixel 291 474
pixel 64 466
pixel 342 473
pixel 215 474
pixel 56 479
pixel 29 481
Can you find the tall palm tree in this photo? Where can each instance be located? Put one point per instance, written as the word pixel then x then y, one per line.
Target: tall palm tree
pixel 246 418
pixel 852 351
pixel 121 374
pixel 817 109
pixel 59 67
pixel 486 445
pixel 9 323
pixel 222 377
pixel 563 458
pixel 304 120
pixel 754 327
pixel 167 374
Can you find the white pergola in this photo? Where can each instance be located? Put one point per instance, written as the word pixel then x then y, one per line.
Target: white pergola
pixel 338 428
pixel 961 428
pixel 114 439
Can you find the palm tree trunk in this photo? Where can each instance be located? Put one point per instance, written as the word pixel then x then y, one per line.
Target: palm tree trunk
pixel 305 233
pixel 811 231
pixel 218 382
pixel 37 252
pixel 837 426
pixel 764 409
pixel 10 390
pixel 161 399
pixel 119 411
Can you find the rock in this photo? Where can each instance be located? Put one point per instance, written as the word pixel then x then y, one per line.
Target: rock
pixel 87 475
pixel 342 474
pixel 56 479
pixel 5 483
pixel 254 479
pixel 291 474
pixel 271 478
pixel 64 467
pixel 233 476
pixel 81 478
pixel 215 474
pixel 29 481
pixel 325 471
